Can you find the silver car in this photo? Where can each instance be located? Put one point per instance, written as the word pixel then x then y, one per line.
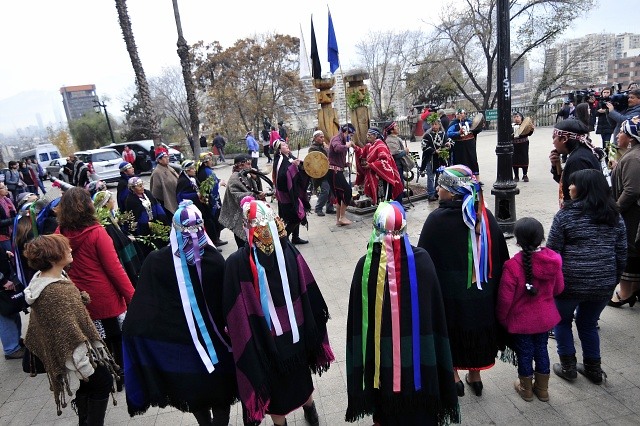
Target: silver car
pixel 54 169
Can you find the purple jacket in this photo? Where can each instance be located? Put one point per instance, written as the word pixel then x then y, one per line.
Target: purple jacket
pixel 338 151
pixel 521 313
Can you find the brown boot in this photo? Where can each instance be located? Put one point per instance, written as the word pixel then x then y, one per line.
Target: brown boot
pixel 541 386
pixel 523 387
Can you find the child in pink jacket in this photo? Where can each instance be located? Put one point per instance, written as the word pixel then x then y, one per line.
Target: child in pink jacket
pixel 526 306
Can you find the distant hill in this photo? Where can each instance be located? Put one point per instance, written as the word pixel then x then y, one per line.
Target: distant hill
pixel 20 111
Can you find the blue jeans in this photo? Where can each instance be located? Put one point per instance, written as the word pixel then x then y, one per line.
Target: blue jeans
pixel 41 185
pixel 431 187
pixel 530 348
pixel 587 314
pixel 323 196
pixel 10 329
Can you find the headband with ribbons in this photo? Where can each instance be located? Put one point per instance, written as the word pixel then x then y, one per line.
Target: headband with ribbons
pixel 188 240
pixel 389 230
pixel 459 180
pixel 259 217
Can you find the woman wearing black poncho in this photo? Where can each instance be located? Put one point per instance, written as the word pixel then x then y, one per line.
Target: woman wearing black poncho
pixel 468 249
pixel 276 318
pixel 176 351
pixel 404 375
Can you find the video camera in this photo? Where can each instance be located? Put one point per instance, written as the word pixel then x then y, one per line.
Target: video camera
pixel 619 98
pixel 580 96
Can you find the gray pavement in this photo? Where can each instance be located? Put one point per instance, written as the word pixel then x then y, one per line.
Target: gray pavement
pixel 332 254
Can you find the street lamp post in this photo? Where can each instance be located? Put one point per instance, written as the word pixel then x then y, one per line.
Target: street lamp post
pixel 504 189
pixel 96 107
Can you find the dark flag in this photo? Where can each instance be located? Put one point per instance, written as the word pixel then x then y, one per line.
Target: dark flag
pixel 332 46
pixel 316 69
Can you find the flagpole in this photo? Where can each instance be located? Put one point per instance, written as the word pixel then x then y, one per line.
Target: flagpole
pixel 344 84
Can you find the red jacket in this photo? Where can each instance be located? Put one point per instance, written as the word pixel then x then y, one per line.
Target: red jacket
pixel 521 313
pixel 97 270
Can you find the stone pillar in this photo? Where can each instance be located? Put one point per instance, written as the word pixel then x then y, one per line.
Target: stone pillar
pixel 327 116
pixel 359 115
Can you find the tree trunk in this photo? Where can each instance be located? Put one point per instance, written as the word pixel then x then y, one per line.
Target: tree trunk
pixel 192 102
pixel 144 94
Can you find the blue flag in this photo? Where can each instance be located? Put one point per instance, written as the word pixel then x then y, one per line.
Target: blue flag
pixel 332 46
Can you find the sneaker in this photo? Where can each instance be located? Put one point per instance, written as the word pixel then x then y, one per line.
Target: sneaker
pixel 332 211
pixel 19 354
pixel 320 213
pixel 525 178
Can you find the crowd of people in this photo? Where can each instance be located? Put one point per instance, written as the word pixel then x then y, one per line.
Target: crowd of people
pixel 130 291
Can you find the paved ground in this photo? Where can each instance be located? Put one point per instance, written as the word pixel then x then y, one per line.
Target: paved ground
pixel 332 254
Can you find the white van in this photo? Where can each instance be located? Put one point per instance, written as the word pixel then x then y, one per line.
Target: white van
pixel 44 153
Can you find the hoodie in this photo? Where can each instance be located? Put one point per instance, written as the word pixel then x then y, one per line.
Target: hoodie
pixel 97 270
pixel 516 309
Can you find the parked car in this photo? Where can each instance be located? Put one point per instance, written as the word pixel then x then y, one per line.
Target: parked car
pixel 105 162
pixel 145 152
pixel 54 169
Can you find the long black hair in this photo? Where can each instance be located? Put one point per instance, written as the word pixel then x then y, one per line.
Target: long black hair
pixel 529 234
pixel 593 191
pixel 583 113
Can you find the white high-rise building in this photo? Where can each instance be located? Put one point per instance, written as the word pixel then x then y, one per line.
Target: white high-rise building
pixel 594 51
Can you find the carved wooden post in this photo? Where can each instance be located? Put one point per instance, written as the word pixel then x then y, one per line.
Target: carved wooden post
pixel 360 114
pixel 327 117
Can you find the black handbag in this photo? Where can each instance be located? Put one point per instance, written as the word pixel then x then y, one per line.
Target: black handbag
pixel 12 301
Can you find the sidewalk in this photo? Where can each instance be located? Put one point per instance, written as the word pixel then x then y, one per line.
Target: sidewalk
pixel 332 253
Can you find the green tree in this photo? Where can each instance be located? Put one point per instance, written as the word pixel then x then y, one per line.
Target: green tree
pixel 190 88
pixel 90 131
pixel 144 95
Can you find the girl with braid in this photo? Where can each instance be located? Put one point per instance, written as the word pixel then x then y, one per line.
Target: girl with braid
pixel 526 307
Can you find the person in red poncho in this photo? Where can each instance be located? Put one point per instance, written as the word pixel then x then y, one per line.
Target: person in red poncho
pixel 377 169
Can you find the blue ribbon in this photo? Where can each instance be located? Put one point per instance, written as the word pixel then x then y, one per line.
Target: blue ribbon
pixel 415 314
pixel 262 282
pixel 194 304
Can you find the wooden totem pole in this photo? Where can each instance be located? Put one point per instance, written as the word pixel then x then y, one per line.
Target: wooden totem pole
pixel 358 100
pixel 327 116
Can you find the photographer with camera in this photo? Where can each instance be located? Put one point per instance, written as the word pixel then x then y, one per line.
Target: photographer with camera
pixel 604 127
pixel 632 110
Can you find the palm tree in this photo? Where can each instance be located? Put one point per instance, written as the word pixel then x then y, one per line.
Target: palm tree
pixel 192 102
pixel 144 94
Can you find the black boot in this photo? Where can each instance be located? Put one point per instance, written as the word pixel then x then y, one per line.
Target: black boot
pixel 311 414
pixel 221 416
pixel 567 367
pixel 97 408
pixel 80 406
pixel 203 417
pixel 592 370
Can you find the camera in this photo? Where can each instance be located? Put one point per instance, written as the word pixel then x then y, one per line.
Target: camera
pixel 620 100
pixel 580 96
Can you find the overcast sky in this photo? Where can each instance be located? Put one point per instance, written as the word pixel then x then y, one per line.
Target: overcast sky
pixel 47 44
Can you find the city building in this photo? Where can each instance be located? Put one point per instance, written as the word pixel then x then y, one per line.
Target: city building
pixel 78 100
pixel 624 71
pixel 598 59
